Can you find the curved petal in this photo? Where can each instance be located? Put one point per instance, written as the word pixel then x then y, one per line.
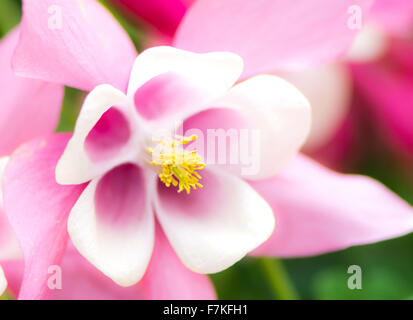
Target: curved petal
pixel 167 278
pixel 270 35
pixel 76 43
pixel 37 208
pixel 318 210
pixel 328 89
pixel 214 227
pixel 214 72
pixel 168 98
pixel 82 281
pixel 268 117
pixel 3 282
pixel 30 108
pixel 101 137
pixel 9 246
pixel 112 224
pixel 13 271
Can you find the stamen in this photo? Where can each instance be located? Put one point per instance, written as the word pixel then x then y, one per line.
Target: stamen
pixel 178 166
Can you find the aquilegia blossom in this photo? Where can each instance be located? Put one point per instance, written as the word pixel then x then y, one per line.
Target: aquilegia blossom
pixel 316 210
pixel 328 87
pixel 218 218
pixel 80 279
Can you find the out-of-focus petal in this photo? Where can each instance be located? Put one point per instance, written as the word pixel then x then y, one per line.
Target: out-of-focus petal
pixel 76 43
pixel 101 137
pixel 167 278
pixel 37 208
pixel 214 226
pixel 394 16
pixel 112 224
pixel 271 35
pixel 328 89
pixel 30 108
pixel 13 271
pixel 388 94
pixel 268 117
pixel 318 210
pixel 164 15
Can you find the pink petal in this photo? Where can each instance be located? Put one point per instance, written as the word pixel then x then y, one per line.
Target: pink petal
pixel 13 270
pixel 388 92
pixel 30 108
pixel 270 35
pixel 76 43
pixel 214 72
pixel 82 281
pixel 169 97
pixel 112 223
pixel 318 210
pixel 395 16
pixel 164 15
pixel 167 278
pixel 215 226
pixel 328 89
pixel 37 208
pixel 108 135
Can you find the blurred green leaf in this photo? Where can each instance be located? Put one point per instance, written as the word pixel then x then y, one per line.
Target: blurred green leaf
pixel 71 106
pixel 10 12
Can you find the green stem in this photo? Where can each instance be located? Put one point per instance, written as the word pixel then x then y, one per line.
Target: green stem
pixel 278 278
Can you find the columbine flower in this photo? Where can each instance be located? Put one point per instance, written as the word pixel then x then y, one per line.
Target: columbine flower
pixel 328 87
pixel 316 210
pixel 35 105
pixel 218 218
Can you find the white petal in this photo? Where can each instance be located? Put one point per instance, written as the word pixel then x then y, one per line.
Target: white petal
pixel 112 224
pixel 369 44
pixel 9 246
pixel 212 228
pixel 215 72
pixel 76 165
pixel 278 113
pixel 3 282
pixel 328 88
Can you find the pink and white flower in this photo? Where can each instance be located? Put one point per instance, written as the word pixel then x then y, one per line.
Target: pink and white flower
pixel 210 228
pixel 316 210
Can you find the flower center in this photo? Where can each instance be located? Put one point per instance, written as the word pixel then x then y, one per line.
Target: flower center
pixel 177 166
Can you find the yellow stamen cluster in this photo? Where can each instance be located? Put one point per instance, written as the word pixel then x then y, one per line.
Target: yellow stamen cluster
pixel 178 166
